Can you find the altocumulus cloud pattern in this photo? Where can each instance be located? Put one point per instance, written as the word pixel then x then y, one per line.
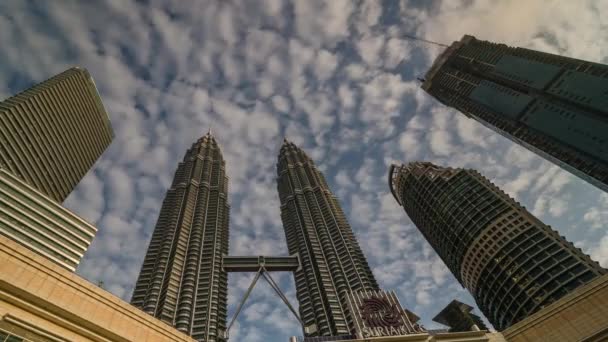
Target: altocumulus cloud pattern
pixel 337 78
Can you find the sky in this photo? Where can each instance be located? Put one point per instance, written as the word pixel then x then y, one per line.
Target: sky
pixel 336 77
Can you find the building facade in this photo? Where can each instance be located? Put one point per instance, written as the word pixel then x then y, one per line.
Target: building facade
pixel 52 133
pixel 181 280
pixel 41 224
pixel 553 105
pixel 512 263
pixel 316 229
pixel 582 315
pixel 40 301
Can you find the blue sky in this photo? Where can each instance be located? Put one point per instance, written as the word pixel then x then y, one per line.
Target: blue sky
pixel 335 77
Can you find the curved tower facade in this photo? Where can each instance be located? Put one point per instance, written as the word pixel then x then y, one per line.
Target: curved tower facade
pixel 316 229
pixel 512 263
pixel 181 280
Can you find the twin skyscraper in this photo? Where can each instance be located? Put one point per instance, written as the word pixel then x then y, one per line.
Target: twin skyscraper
pixel 183 281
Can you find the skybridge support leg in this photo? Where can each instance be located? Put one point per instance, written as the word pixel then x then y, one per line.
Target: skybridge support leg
pixel 262 272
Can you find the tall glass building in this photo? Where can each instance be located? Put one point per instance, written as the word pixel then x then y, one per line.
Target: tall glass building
pixel 52 134
pixel 181 280
pixel 333 265
pixel 512 263
pixel 553 105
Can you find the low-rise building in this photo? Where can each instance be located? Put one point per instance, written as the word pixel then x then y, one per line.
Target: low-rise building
pixel 42 301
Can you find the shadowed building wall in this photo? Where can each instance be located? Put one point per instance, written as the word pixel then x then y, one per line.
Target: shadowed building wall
pixel 52 133
pixel 181 280
pixel 512 263
pixel 317 230
pixel 553 105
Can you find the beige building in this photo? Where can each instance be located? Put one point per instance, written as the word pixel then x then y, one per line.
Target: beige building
pixel 581 315
pixel 41 224
pixel 469 336
pixel 41 301
pixel 52 133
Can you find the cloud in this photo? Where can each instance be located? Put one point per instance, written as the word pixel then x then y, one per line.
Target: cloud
pixel 597 216
pixel 322 22
pixel 549 26
pixel 599 252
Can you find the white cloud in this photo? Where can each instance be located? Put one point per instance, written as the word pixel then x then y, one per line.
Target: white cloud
pixel 370 48
pixel 599 252
pixel 322 23
pixel 325 65
pixel 597 216
pixel 441 141
pixel 343 179
pixel 396 51
pixel 495 21
pixel 423 295
pixel 280 103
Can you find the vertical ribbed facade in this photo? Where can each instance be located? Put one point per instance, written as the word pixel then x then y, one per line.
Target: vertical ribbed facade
pixel 316 229
pixel 52 133
pixel 511 262
pixel 555 106
pixel 181 280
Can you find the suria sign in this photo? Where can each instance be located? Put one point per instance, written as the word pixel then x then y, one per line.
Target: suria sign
pixel 381 317
pixel 379 313
pixel 384 331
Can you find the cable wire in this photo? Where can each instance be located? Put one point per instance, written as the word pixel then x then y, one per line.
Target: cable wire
pixel 424 40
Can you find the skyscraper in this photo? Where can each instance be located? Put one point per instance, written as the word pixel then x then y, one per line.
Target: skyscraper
pixel 512 263
pixel 316 229
pixel 181 280
pixel 52 133
pixel 553 105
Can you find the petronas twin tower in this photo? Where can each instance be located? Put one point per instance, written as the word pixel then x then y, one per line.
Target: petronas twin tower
pixel 316 229
pixel 182 279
